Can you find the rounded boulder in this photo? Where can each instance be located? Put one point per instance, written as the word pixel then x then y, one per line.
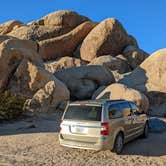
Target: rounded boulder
pixel 84 80
pixel 108 37
pixel 119 91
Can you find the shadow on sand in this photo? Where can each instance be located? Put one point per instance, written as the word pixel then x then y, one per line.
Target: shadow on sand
pixel 35 124
pixel 154 145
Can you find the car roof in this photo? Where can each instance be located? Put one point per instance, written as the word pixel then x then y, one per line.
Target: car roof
pixel 98 102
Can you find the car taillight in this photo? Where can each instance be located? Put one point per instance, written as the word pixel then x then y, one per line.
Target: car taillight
pixel 104 128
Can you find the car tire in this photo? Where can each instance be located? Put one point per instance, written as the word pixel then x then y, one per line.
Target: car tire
pixel 118 144
pixel 146 131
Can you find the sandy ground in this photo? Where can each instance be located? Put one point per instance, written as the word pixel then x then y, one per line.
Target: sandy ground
pixel 34 141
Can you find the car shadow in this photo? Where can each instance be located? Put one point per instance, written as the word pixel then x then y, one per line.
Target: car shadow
pixel 154 145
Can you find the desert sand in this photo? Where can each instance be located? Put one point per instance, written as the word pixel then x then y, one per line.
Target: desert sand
pixel 34 141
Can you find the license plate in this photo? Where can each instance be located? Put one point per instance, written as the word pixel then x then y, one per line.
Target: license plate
pixel 80 130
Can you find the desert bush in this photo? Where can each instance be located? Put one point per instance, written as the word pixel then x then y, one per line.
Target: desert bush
pixel 11 105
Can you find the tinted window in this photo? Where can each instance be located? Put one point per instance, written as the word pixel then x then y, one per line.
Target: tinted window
pixel 126 109
pixel 114 111
pixel 92 113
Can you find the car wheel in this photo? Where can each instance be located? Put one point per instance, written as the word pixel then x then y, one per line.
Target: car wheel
pixel 146 131
pixel 118 145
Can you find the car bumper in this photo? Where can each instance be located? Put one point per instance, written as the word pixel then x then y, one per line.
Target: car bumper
pixel 84 145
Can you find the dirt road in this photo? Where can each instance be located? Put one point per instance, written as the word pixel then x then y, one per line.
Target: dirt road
pixel 35 142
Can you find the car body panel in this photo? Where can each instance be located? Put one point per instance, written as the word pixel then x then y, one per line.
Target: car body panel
pixel 86 134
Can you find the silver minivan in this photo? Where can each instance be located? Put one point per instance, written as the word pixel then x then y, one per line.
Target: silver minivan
pixel 102 124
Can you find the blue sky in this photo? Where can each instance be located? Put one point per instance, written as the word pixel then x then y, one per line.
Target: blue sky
pixel 144 19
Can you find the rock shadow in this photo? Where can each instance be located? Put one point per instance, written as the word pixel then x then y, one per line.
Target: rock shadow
pixel 37 124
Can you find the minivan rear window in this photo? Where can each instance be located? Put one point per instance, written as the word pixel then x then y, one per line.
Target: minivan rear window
pixel 75 112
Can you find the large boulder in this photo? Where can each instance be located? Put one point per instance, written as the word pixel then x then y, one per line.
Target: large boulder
pixel 63 63
pixel 119 91
pixel 158 108
pixel 66 44
pixel 118 76
pixel 63 18
pixel 9 26
pixel 76 52
pixel 37 32
pixel 113 63
pixel 27 78
pixel 118 65
pixel 22 72
pixel 125 68
pixel 83 81
pixel 134 55
pixel 107 60
pixel 48 91
pixel 108 37
pixel 12 52
pixel 150 78
pixel 5 37
pixel 53 25
pixel 157 125
pixel 98 91
pixel 131 41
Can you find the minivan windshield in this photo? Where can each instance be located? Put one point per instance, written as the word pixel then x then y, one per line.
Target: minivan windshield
pixel 78 112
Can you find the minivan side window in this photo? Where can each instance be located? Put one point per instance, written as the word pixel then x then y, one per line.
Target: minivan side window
pixel 114 111
pixel 126 109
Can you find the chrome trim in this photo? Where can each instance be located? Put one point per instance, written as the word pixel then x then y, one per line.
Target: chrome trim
pixel 75 125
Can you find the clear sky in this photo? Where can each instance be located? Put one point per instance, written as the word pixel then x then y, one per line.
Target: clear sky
pixel 144 19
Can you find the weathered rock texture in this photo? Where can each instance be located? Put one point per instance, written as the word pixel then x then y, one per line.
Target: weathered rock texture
pixel 113 63
pixel 49 91
pixel 50 26
pixel 64 45
pixel 63 63
pixel 98 91
pixel 9 26
pixel 12 52
pixel 135 56
pixel 107 60
pixel 119 91
pixel 22 72
pixel 81 58
pixel 83 81
pixel 63 18
pixel 150 78
pixel 131 41
pixel 108 37
pixel 37 32
pixel 5 37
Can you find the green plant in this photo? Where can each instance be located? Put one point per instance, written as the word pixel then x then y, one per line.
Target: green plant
pixel 11 105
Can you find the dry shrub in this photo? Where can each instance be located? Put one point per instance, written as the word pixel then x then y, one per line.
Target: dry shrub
pixel 11 105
